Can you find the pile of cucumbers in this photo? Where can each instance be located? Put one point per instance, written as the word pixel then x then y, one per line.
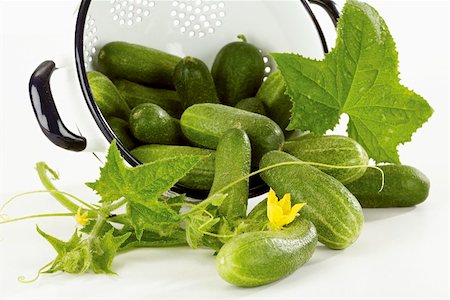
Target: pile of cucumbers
pixel 160 105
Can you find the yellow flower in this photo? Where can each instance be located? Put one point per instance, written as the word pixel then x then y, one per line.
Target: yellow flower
pixel 281 213
pixel 81 219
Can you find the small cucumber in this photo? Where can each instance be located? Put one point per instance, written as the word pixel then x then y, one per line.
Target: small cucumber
pixel 334 211
pixel 278 105
pixel 253 105
pixel 151 124
pixel 257 258
pixel 403 186
pixel 233 159
pixel 136 94
pixel 122 130
pixel 137 63
pixel 238 71
pixel 194 83
pixel 105 94
pixel 203 125
pixel 331 150
pixel 199 178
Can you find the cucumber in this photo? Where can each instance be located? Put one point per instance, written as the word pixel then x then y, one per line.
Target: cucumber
pixel 331 150
pixel 257 258
pixel 151 124
pixel 137 63
pixel 136 94
pixel 122 131
pixel 334 211
pixel 199 178
pixel 233 159
pixel 238 71
pixel 403 186
pixel 278 105
pixel 194 83
pixel 253 105
pixel 203 125
pixel 106 96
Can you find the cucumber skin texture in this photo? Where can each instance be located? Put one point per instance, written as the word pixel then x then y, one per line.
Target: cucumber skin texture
pixel 253 105
pixel 238 72
pixel 330 206
pixel 194 83
pixel 150 124
pixel 233 160
pixel 122 130
pixel 257 258
pixel 404 186
pixel 332 150
pixel 137 63
pixel 203 125
pixel 278 105
pixel 136 94
pixel 199 178
pixel 107 97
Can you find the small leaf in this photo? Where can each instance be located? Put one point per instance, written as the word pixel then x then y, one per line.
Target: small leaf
pixel 105 252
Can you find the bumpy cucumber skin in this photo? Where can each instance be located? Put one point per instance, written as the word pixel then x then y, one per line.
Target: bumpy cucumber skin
pixel 122 130
pixel 403 186
pixel 150 124
pixel 278 105
pixel 238 71
pixel 199 178
pixel 136 94
pixel 194 83
pixel 332 150
pixel 233 160
pixel 203 125
pixel 258 258
pixel 108 99
pixel 137 63
pixel 334 211
pixel 253 105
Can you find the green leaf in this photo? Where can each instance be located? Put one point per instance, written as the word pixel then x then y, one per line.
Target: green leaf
pixel 358 77
pixel 143 183
pixel 105 251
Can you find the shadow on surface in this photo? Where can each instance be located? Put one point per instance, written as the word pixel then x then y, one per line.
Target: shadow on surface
pixel 377 214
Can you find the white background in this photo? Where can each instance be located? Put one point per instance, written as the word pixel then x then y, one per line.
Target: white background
pixel 402 253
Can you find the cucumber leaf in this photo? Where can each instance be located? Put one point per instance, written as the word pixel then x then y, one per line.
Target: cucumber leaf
pixel 105 249
pixel 358 77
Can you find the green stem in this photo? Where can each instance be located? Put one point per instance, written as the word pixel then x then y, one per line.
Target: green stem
pixel 96 229
pixel 116 205
pixel 23 280
pixel 121 219
pixel 38 216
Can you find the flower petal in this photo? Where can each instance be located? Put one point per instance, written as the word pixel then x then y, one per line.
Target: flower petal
pixel 272 197
pixel 285 203
pixel 296 208
pixel 274 214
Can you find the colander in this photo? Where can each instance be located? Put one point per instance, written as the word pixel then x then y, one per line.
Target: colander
pixel 196 28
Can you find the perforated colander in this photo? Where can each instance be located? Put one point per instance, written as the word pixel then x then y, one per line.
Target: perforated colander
pixel 196 28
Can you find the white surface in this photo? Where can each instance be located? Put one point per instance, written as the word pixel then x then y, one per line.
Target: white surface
pixel 402 253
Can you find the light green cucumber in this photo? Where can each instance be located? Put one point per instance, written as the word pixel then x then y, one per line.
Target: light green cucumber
pixel 106 96
pixel 194 83
pixel 334 211
pixel 403 186
pixel 137 63
pixel 122 131
pixel 204 124
pixel 253 105
pixel 331 150
pixel 136 94
pixel 199 178
pixel 257 258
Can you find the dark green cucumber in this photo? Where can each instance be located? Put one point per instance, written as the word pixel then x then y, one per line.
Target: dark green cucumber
pixel 238 71
pixel 233 159
pixel 257 258
pixel 331 150
pixel 105 94
pixel 122 131
pixel 151 124
pixel 403 186
pixel 204 124
pixel 278 105
pixel 199 178
pixel 194 83
pixel 334 211
pixel 136 94
pixel 137 63
pixel 253 105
